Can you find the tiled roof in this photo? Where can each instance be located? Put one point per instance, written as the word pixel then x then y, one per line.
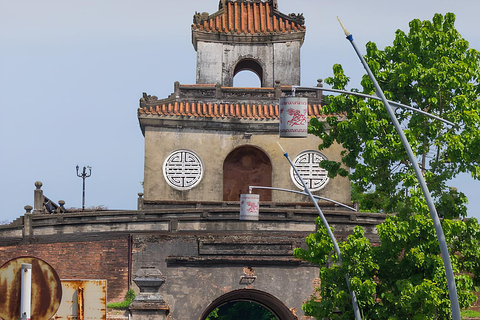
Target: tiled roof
pixel 248 17
pixel 222 110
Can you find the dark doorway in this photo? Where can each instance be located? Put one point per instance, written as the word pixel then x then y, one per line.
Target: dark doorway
pixel 244 167
pixel 241 310
pixel 262 299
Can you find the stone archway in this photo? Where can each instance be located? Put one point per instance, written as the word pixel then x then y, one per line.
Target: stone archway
pixel 249 65
pixel 243 167
pixel 262 298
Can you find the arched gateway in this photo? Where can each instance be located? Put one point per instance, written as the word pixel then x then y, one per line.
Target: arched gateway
pixel 262 298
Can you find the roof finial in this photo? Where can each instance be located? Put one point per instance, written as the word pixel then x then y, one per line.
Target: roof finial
pixel 221 4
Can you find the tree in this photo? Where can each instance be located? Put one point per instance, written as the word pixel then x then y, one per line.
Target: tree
pixel 431 68
pixel 402 277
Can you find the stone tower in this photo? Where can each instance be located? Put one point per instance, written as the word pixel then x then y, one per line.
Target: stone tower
pixel 210 141
pixel 248 35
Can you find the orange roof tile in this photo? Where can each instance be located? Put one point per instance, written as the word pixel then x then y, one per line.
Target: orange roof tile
pixel 228 110
pixel 247 17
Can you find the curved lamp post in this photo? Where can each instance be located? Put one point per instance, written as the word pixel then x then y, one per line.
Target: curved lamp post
pixel 356 309
pixel 300 192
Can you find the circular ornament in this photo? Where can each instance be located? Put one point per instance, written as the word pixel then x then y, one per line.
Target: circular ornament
pixel 183 169
pixel 307 165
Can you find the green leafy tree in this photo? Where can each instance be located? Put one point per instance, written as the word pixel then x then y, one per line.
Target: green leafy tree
pixel 433 69
pixel 402 278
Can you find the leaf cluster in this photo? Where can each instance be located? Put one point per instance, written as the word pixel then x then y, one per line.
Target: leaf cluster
pixel 433 69
pixel 129 296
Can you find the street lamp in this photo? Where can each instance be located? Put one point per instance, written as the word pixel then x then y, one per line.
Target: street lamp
pixel 84 175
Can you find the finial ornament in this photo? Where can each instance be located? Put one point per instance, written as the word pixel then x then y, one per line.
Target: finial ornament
pixel 347 33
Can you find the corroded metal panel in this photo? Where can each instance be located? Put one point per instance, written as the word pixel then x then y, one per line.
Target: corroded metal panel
pixel 46 289
pixel 83 300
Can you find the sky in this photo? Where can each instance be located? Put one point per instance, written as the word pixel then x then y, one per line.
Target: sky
pixel 72 74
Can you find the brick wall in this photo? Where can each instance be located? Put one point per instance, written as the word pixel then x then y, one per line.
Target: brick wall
pixel 98 259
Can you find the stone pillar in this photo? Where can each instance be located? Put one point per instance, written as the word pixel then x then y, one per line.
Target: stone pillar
pixel 38 198
pixel 149 303
pixel 27 222
pixel 140 201
pixel 218 91
pixel 278 89
pixel 320 92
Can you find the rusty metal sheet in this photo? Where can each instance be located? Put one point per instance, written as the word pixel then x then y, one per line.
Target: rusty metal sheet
pixel 83 300
pixel 46 289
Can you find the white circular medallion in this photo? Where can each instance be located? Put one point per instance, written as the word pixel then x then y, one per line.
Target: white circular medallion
pixel 307 165
pixel 183 169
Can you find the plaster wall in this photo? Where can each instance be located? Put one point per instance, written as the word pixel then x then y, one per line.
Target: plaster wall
pixel 287 59
pixel 209 62
pixel 279 61
pixel 213 148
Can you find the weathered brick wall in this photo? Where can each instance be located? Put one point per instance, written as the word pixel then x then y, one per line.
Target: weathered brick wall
pixel 99 259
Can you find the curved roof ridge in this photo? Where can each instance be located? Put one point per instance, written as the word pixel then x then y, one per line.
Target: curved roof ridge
pixel 248 17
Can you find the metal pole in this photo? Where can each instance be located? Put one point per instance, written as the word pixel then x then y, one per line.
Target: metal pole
pixel 452 289
pixel 356 309
pixel 26 291
pixel 250 188
pixel 358 94
pixel 84 175
pixel 83 190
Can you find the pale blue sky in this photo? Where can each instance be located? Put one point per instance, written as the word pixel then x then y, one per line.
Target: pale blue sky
pixel 72 72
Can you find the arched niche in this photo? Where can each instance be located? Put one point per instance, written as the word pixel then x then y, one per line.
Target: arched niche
pixel 262 298
pixel 243 167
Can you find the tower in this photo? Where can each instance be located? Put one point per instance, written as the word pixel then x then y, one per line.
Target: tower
pixel 210 141
pixel 248 35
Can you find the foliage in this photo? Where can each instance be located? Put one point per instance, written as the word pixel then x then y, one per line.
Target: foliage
pixel 470 314
pixel 433 69
pixel 241 310
pixel 401 278
pixel 129 296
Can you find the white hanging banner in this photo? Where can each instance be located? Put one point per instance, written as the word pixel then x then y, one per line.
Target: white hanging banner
pixel 249 206
pixel 293 117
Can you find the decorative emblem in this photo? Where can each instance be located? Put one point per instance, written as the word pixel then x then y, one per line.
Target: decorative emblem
pixel 252 207
pixel 307 164
pixel 298 117
pixel 183 169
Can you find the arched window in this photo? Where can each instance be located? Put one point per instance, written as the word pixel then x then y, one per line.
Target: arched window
pixel 246 79
pixel 246 67
pixel 243 167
